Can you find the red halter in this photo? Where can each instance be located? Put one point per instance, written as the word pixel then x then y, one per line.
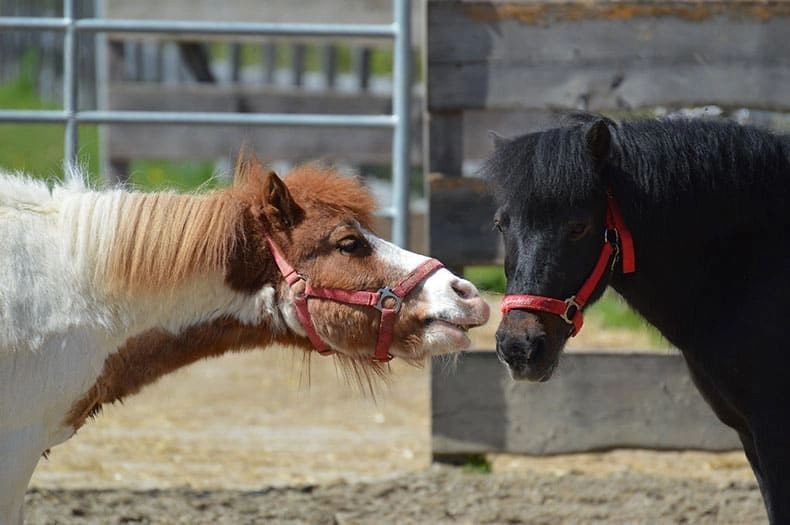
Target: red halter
pixel 374 299
pixel 617 241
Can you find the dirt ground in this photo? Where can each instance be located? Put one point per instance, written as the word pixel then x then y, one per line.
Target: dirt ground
pixel 255 438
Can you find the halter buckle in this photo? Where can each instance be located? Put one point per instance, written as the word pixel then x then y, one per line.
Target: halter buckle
pixel 570 304
pixel 388 293
pixel 612 236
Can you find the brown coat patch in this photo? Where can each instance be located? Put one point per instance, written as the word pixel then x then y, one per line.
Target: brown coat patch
pixel 145 358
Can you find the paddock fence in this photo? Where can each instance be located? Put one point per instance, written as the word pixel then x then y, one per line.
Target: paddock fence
pixel 141 118
pixel 512 67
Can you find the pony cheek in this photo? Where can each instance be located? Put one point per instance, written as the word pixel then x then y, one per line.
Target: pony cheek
pixel 349 330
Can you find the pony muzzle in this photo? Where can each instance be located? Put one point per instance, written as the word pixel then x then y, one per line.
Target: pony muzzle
pixel 525 346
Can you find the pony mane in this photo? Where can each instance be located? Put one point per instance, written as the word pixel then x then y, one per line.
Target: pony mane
pixel 547 169
pixel 163 238
pixel 722 174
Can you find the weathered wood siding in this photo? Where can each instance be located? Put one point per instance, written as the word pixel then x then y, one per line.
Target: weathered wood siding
pixel 512 66
pixel 607 55
pixel 596 401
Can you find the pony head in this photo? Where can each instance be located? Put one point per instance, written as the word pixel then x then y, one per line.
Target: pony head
pixel 552 206
pixel 320 222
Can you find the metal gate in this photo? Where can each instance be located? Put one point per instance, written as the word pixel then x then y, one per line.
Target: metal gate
pixel 399 31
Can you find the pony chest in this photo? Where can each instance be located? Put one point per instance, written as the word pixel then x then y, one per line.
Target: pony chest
pixel 39 386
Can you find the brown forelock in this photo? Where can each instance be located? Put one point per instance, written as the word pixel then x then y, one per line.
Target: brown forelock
pixel 143 359
pixel 322 188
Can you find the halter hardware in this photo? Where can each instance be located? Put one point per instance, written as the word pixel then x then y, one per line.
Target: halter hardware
pixel 617 246
pixel 388 293
pixel 376 300
pixel 571 309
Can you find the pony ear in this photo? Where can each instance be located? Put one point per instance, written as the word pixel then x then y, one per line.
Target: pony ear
pixel 281 209
pixel 497 140
pixel 598 139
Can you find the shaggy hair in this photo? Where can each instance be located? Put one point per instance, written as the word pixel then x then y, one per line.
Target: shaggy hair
pixel 668 175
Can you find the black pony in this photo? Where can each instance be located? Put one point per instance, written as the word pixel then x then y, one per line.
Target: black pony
pixel 705 203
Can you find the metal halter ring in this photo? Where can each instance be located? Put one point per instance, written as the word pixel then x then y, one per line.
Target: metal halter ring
pixel 387 293
pixel 570 304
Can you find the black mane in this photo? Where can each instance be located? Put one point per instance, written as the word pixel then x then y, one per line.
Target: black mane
pixel 669 175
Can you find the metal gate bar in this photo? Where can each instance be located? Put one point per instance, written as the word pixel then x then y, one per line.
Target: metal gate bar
pixel 399 120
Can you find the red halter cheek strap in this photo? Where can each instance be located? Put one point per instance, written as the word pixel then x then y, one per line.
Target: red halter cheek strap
pixel 618 244
pixel 393 295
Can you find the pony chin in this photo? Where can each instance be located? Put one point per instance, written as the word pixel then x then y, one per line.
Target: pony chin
pixel 441 337
pixel 530 344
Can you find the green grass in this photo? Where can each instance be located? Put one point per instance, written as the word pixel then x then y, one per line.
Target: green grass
pixel 477 464
pixel 486 278
pixel 183 176
pixel 37 149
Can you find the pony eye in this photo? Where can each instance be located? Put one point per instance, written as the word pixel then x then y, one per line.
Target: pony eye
pixel 501 222
pixel 349 245
pixel 577 230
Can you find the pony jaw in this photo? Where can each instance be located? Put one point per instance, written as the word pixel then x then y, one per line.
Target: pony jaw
pixel 434 319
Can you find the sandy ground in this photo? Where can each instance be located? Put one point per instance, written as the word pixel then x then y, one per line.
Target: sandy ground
pixel 262 438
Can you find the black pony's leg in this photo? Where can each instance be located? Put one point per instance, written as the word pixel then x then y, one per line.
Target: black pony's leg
pixel 771 447
pixel 754 461
pixel 716 397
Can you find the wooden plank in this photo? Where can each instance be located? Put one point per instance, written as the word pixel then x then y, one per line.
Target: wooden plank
pixel 274 11
pixel 342 145
pixel 260 99
pixel 611 87
pixel 596 401
pixel 461 222
pixel 444 148
pixel 606 55
pixel 537 32
pixel 353 145
pixel 478 125
pixel 270 11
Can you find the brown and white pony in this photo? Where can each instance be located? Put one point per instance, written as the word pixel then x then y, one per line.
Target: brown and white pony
pixel 102 293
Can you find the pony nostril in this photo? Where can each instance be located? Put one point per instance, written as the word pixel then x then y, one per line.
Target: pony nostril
pixel 537 350
pixel 465 289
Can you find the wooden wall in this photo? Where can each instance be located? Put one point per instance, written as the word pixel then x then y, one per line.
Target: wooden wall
pixel 513 66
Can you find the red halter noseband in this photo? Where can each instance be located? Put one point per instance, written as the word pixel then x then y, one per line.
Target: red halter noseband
pixel 374 299
pixel 617 242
